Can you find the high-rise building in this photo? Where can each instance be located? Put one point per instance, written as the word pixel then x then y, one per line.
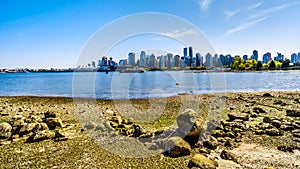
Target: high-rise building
pixel 185 55
pixel 215 61
pixel 245 57
pixel 190 58
pixel 131 59
pixel 279 57
pixel 161 61
pixel 294 58
pixel 198 59
pixel 255 55
pixel 152 61
pixel 93 64
pixel 142 59
pixel 185 52
pixel 208 60
pixel 169 57
pixel 176 61
pixel 266 58
pixel 123 62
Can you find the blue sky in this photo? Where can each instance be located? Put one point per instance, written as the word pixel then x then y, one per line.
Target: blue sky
pixel 52 33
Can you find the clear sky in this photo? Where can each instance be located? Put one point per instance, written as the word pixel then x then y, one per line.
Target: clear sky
pixel 52 33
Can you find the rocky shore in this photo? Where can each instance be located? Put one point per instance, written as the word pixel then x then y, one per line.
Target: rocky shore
pixel 231 130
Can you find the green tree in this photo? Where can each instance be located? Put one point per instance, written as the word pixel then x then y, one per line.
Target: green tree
pixel 242 66
pixel 259 65
pixel 272 64
pixel 285 63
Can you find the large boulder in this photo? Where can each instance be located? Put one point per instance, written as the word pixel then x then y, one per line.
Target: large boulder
pixel 176 147
pixel 200 161
pixel 49 114
pixel 53 123
pixel 189 123
pixel 226 155
pixel 27 128
pixel 5 131
pixel 41 135
pixel 211 143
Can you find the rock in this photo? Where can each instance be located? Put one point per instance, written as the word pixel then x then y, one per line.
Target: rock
pixel 218 133
pixel 274 132
pixel 228 143
pixel 293 113
pixel 267 95
pixel 41 127
pixel 253 115
pixel 27 128
pixel 5 142
pixel 266 119
pixel 90 126
pixel 61 135
pixel 276 123
pixel 138 130
pixel 176 147
pixel 277 102
pixel 17 121
pixel 286 127
pixel 200 161
pixel 260 132
pixel 5 131
pixel 53 123
pixel 116 119
pixel 49 114
pixel 258 110
pixel 211 143
pixel 230 134
pixel 41 135
pixel 226 155
pixel 285 148
pixel 189 123
pixel 241 116
pixel 214 125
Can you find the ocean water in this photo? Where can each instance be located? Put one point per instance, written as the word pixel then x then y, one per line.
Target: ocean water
pixel 115 85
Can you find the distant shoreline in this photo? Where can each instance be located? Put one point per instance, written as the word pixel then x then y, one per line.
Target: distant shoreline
pixel 175 96
pixel 192 70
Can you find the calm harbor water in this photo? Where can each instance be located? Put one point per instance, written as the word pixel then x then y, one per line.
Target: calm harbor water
pixel 142 85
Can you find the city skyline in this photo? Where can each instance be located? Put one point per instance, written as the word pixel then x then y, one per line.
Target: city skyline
pixel 46 34
pixel 188 58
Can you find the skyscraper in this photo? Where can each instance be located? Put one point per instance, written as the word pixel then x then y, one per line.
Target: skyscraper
pixel 176 61
pixel 294 58
pixel 142 59
pixel 279 57
pixel 131 59
pixel 255 55
pixel 152 61
pixel 198 59
pixel 266 58
pixel 208 60
pixel 190 58
pixel 185 55
pixel 170 57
